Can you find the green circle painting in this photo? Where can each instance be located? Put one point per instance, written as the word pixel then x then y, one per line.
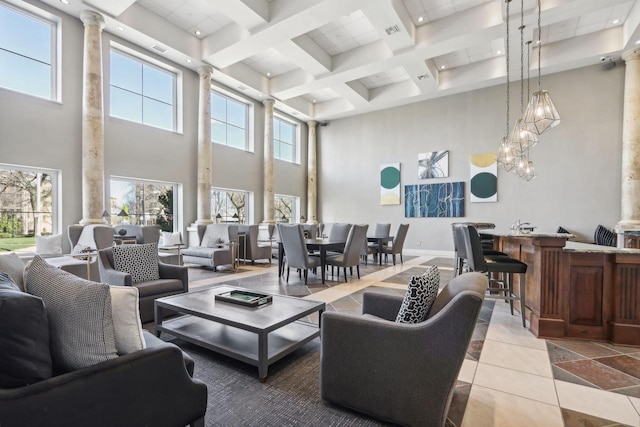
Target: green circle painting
pixel 483 185
pixel 389 177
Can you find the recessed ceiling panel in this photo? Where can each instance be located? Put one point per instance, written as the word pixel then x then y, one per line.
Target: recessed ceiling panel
pixel 346 33
pixel 270 62
pixel 190 15
pixel 385 78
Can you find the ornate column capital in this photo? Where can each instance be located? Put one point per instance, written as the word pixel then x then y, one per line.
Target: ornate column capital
pixel 312 123
pixel 89 17
pixel 269 101
pixel 205 71
pixel 631 54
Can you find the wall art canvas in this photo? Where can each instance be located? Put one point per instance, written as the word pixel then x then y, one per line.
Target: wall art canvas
pixel 433 165
pixel 434 200
pixel 484 178
pixel 390 184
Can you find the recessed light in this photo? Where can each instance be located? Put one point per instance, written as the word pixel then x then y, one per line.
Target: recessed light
pixel 189 61
pixel 64 1
pixel 120 28
pixel 442 67
pixel 499 52
pixel 198 32
pixel 268 74
pixel 538 41
pixel 637 41
pixel 421 19
pixel 314 101
pixel 616 21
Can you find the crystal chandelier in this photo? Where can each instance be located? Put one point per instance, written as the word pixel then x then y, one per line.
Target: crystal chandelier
pixel 541 114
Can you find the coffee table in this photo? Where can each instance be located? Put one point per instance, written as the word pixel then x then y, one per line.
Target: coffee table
pixel 258 336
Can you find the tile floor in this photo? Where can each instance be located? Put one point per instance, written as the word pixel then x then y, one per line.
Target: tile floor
pixel 510 377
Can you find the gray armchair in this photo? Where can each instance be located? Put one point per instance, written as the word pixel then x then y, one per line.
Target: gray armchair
pixel 252 249
pixel 399 372
pixel 174 279
pixel 142 233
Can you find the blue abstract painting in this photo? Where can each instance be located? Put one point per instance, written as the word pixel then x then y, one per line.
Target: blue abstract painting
pixel 434 200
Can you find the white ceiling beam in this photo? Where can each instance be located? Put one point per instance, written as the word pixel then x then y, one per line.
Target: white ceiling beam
pixel 631 28
pixel 248 14
pixel 111 7
pixel 354 92
pixel 289 20
pixel 304 52
pixel 388 13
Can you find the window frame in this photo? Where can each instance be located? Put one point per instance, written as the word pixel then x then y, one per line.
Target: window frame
pixel 296 138
pixel 177 197
pixel 55 48
pixel 248 207
pixel 56 191
pixel 177 90
pixel 249 117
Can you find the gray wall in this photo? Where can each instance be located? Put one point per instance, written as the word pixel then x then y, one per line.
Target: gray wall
pixel 45 134
pixel 577 163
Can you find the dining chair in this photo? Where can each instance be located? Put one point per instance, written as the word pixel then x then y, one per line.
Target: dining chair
pixel 493 265
pixel 351 256
pixel 397 244
pixel 380 230
pixel 295 249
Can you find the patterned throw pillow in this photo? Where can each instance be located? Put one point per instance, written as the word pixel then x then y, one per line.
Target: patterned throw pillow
pixel 141 261
pixel 80 317
pixel 421 294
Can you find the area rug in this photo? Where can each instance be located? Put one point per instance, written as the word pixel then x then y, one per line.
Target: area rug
pixel 289 397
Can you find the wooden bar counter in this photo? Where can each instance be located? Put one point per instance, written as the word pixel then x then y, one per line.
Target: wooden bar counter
pixel 577 290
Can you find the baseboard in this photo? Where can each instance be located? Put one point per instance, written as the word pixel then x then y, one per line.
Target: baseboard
pixel 423 252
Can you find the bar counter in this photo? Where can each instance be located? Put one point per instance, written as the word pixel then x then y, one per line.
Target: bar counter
pixel 577 290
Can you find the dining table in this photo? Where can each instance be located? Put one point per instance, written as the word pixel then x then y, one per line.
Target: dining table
pixel 381 242
pixel 323 245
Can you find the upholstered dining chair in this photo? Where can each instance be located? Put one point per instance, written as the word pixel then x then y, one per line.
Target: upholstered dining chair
pixel 295 249
pixel 379 230
pixel 397 244
pixel 351 256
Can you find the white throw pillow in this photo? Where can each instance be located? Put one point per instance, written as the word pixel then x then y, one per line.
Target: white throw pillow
pixel 49 244
pixel 171 239
pixel 86 237
pixel 126 319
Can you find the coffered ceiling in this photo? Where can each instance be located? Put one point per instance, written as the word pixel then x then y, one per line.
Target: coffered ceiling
pixel 326 59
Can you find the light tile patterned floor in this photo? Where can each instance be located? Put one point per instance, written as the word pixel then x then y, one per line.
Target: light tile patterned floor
pixel 510 377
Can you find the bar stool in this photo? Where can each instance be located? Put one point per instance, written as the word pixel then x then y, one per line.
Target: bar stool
pixel 496 264
pixel 459 247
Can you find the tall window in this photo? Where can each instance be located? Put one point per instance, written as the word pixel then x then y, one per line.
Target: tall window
pixel 27 52
pixel 142 92
pixel 229 121
pixel 284 140
pixel 27 206
pixel 286 208
pixel 230 205
pixel 144 203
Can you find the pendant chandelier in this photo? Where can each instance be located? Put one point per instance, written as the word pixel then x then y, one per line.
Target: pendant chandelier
pixel 541 114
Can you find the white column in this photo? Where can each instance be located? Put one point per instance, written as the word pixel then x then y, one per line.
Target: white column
pixel 92 120
pixel 204 146
pixel 630 185
pixel 312 175
pixel 268 213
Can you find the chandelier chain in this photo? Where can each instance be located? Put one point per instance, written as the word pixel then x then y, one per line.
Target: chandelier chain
pixel 539 43
pixel 507 59
pixel 521 58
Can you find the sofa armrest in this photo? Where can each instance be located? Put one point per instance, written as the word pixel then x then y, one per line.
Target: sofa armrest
pixel 115 277
pixel 170 271
pixel 147 387
pixel 381 305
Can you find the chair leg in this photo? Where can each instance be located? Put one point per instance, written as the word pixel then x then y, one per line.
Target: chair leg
pixel 522 298
pixel 401 258
pixel 351 271
pixel 510 291
pixel 394 259
pixel 345 274
pixel 358 270
pixel 287 274
pixel 305 276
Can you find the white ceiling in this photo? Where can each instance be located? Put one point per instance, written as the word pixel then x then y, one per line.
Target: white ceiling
pixel 326 59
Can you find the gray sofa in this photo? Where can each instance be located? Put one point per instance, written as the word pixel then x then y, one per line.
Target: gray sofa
pixel 398 372
pixel 210 254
